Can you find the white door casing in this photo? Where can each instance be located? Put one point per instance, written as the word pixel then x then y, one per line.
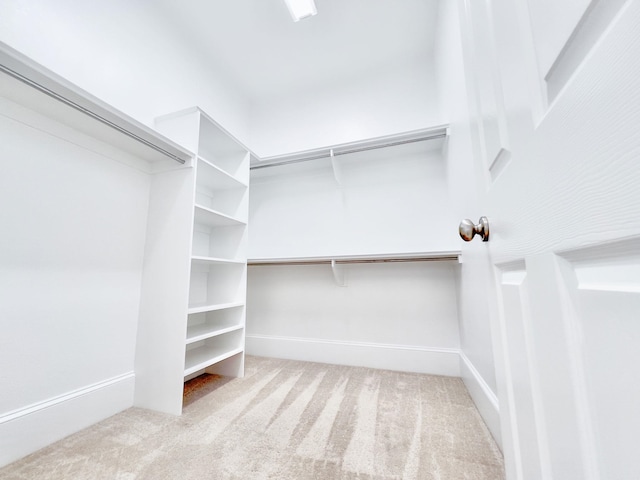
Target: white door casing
pixel 553 93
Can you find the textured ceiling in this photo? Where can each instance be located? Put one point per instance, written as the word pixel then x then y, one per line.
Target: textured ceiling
pixel 265 53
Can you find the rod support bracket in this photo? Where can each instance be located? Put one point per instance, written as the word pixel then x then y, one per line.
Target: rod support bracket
pixel 339 273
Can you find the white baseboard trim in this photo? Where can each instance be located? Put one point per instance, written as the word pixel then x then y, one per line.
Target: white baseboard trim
pixel 484 398
pixel 28 429
pixel 405 358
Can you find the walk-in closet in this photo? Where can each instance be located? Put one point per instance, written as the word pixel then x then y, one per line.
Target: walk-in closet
pixel 329 239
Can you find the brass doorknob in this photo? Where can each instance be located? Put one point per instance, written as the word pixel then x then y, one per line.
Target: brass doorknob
pixel 468 229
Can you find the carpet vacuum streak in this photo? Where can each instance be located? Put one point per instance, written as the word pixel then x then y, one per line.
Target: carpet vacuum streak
pixel 286 420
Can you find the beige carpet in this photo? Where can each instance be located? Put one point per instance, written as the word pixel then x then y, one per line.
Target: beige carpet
pixel 286 420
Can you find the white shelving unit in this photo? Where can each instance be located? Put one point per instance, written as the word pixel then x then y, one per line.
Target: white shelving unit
pixel 214 251
pixel 214 340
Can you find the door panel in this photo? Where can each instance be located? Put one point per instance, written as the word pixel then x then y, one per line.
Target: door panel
pixel 564 33
pixel 612 335
pixel 565 232
pixel 557 359
pixel 487 94
pixel 606 297
pixel 552 23
pixel 525 414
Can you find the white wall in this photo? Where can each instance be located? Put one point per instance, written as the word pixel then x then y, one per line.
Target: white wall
pixel 398 316
pixel 71 251
pixel 127 53
pixel 397 99
pixel 390 200
pixel 464 183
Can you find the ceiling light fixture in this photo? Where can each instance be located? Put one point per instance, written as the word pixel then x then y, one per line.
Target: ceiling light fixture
pixel 300 9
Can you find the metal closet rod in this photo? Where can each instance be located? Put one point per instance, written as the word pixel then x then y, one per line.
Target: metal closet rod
pixel 88 112
pixel 439 258
pixel 441 132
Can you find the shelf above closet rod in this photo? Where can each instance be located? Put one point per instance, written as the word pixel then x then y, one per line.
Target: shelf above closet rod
pixel 444 256
pixel 38 88
pixel 433 133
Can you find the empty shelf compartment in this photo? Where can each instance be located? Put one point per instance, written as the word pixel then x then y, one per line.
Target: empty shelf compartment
pixel 202 354
pixel 225 242
pixel 203 325
pixel 222 150
pixel 217 284
pixel 213 218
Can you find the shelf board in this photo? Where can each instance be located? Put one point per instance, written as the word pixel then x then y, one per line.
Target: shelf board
pixel 211 218
pixel 38 88
pixel 448 255
pixel 212 307
pixel 204 331
pixel 203 357
pixel 437 133
pixel 215 261
pixel 213 176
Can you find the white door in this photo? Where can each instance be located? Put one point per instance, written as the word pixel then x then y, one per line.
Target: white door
pixel 554 88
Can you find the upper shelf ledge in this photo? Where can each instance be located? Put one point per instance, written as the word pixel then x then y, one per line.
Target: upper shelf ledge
pixel 38 88
pixel 449 255
pixel 433 133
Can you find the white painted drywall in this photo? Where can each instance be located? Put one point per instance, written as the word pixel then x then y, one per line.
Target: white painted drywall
pixel 127 53
pixel 463 185
pixel 399 316
pixel 398 98
pixel 389 200
pixel 71 256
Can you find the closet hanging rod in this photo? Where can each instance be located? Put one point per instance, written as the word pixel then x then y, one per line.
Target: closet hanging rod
pixel 441 257
pixel 24 70
pixel 88 112
pixel 344 149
